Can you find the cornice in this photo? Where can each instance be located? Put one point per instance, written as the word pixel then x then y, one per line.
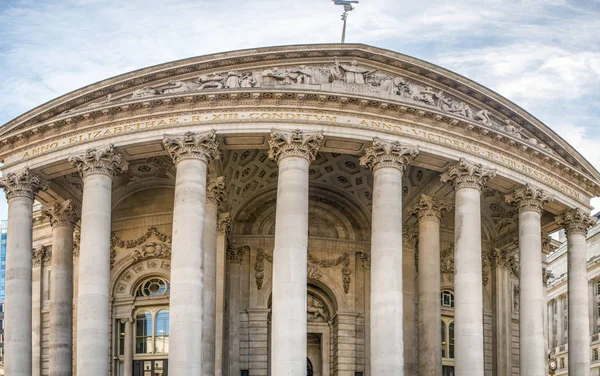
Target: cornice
pixel 385 59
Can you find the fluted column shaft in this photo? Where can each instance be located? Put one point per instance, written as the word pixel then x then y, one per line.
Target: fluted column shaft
pixel 429 213
pixel 214 196
pixel 532 357
pixel 63 217
pixel 191 154
pixel 293 151
pixel 97 168
pixel 468 179
pixel 20 189
pixel 388 161
pixel 576 225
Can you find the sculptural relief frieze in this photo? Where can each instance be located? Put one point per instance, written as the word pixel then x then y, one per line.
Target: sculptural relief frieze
pixel 345 77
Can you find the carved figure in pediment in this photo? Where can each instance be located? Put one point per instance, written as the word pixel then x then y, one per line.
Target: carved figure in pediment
pixel 445 103
pixel 403 88
pixel 179 87
pixel 276 76
pixel 215 81
pixel 146 92
pixel 426 95
pixel 248 80
pixel 351 73
pixel 512 129
pixel 303 75
pixel 316 310
pixel 462 109
pixel 151 249
pixel 233 80
pixel 483 116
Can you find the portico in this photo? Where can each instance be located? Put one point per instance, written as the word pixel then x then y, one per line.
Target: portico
pixel 261 225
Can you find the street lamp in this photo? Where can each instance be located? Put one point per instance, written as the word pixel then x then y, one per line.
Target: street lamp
pixel 349 6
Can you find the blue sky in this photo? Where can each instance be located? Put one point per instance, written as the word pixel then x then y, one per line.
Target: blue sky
pixel 542 54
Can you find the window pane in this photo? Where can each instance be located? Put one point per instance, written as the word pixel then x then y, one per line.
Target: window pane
pixel 451 339
pixel 162 332
pixel 121 338
pixel 443 339
pixel 143 333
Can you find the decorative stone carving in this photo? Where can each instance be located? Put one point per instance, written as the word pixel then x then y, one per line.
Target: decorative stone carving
pixel 506 259
pixel 76 243
pixel 447 260
pixel 224 223
pixel 295 142
pixel 316 310
pixel 259 267
pixel 41 255
pixel 467 174
pixel 160 249
pixel 410 238
pixel 151 250
pixel 365 258
pixel 386 153
pixel 63 214
pixel 576 221
pixel 216 191
pixel 146 92
pixel 105 161
pixel 352 73
pixel 21 184
pixel 203 146
pixel 516 293
pixel 547 276
pixel 313 268
pixel 529 198
pixel 235 255
pixel 547 244
pixel 429 208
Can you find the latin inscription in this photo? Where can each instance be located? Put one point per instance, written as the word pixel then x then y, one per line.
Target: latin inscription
pixel 310 117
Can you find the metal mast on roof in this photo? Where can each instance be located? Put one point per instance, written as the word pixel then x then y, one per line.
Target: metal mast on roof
pixel 349 6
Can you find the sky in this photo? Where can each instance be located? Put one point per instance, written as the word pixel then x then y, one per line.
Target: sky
pixel 543 55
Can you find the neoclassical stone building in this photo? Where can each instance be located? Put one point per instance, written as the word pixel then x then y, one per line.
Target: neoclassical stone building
pixel 301 210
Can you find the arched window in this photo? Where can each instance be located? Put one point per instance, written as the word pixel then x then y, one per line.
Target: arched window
pixel 161 332
pixel 447 298
pixel 143 333
pixel 153 287
pixel 444 344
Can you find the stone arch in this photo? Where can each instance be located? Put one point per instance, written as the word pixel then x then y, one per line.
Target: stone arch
pixel 126 280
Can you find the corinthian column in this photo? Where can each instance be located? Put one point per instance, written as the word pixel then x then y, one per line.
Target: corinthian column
pixel 293 151
pixel 223 228
pixel 530 201
pixel 97 167
pixel 388 161
pixel 468 180
pixel 429 211
pixel 576 224
pixel 63 217
pixel 191 153
pixel 409 282
pixel 20 189
pixel 215 194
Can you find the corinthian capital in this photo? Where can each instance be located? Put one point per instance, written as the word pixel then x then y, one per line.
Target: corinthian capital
pixel 386 153
pixel 215 191
pixel 529 198
pixel 105 161
pixel 203 146
pixel 285 143
pixel 467 174
pixel 40 255
pixel 63 214
pixel 576 221
pixel 21 184
pixel 429 208
pixel 224 223
pixel 409 239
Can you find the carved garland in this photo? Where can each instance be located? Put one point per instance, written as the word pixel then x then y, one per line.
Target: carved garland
pixel 313 266
pixel 147 249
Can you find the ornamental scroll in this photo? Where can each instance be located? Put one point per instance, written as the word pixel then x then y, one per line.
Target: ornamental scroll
pixel 160 247
pixel 314 266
